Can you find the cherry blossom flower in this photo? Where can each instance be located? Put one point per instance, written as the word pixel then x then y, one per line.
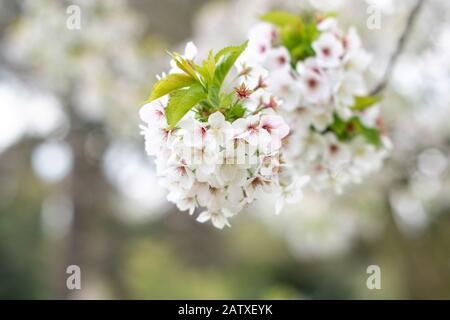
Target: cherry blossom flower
pixel 218 219
pixel 329 50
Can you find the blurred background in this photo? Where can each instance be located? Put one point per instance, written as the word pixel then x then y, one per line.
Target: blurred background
pixel 76 186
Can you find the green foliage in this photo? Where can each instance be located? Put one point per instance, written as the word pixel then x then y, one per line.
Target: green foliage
pixel 208 68
pixel 225 60
pixel 181 101
pixel 296 34
pixel 169 84
pixel 200 86
pixel 235 112
pixel 213 96
pixel 347 130
pixel 185 65
pixel 362 103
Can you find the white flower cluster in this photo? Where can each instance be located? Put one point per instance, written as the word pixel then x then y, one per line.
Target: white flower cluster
pixel 312 94
pixel 214 163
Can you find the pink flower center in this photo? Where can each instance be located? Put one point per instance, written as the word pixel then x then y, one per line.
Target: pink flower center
pixel 203 132
pixel 312 83
pixel 159 114
pixel 326 51
pixel 181 171
pixel 334 148
pixel 252 127
pixel 256 182
pixel 282 60
pixel 267 127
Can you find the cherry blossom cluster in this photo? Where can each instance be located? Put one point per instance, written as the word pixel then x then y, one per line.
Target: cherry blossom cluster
pixel 219 159
pixel 316 80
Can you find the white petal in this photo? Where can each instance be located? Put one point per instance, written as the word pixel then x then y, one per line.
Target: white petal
pixel 203 217
pixel 219 221
pixel 190 51
pixel 216 120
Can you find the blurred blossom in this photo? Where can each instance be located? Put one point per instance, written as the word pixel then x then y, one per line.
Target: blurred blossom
pixel 432 162
pixel 410 214
pixel 98 71
pixel 12 125
pixel 44 114
pixel 319 229
pixel 57 214
pixel 326 5
pixel 424 187
pixel 238 16
pixel 129 170
pixel 323 234
pixel 52 161
pixel 24 111
pixel 386 6
pixel 407 79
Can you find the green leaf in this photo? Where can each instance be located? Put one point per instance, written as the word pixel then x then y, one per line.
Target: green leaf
pixel 208 68
pixel 183 100
pixel 301 52
pixel 185 65
pixel 311 32
pixel 225 60
pixel 291 36
pixel 338 127
pixel 347 130
pixel 282 19
pixel 227 100
pixel 372 135
pixel 362 103
pixel 235 112
pixel 213 96
pixel 298 43
pixel 169 84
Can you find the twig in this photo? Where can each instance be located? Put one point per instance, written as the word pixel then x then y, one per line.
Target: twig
pixel 400 46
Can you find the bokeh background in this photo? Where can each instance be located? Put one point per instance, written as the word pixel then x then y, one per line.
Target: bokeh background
pixel 77 188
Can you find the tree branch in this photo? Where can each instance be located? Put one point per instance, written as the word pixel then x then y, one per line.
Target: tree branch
pixel 399 49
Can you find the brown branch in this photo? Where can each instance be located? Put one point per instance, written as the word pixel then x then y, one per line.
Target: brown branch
pixel 399 49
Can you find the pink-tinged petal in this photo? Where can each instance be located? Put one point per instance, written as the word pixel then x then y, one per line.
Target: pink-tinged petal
pixel 240 126
pixel 283 131
pixel 252 138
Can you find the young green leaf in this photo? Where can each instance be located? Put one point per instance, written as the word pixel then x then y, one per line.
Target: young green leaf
pixel 347 130
pixel 183 100
pixel 208 68
pixel 169 84
pixel 362 103
pixel 234 112
pixel 225 60
pixel 213 96
pixel 338 127
pixel 372 135
pixel 291 36
pixel 185 65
